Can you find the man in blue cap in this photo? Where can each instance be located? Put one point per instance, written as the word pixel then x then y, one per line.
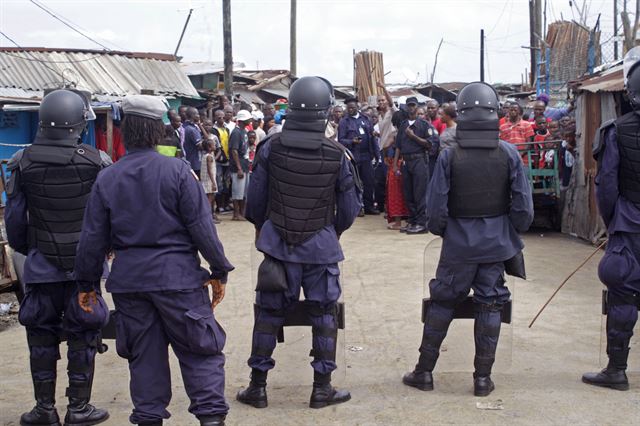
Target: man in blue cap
pixel 46 196
pixel 152 212
pixel 302 196
pixel 355 132
pixel 416 138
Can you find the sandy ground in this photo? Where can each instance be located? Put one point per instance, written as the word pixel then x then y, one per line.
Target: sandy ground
pixel 383 288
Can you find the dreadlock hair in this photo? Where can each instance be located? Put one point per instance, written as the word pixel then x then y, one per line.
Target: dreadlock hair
pixel 141 132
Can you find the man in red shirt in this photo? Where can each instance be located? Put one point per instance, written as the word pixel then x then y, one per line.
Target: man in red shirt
pixel 515 129
pixel 432 116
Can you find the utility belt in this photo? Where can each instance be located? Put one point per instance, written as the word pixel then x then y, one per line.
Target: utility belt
pixel 415 155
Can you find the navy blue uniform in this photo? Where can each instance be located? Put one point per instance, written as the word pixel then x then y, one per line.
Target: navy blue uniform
pixel 311 266
pixel 415 170
pixel 619 269
pixel 364 152
pixel 45 309
pixel 473 252
pixel 151 211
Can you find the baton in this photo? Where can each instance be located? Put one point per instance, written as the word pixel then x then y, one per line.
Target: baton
pixel 565 281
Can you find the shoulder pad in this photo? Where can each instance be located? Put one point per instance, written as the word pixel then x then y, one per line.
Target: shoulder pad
pixel 598 140
pixel 13 166
pixel 106 161
pixel 14 162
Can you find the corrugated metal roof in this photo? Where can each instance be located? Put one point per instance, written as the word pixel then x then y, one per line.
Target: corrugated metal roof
pixel 103 73
pixel 611 80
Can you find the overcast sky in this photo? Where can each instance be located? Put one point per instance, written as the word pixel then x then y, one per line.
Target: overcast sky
pixel 407 32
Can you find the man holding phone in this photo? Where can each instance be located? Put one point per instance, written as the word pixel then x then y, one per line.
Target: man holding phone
pixel 416 137
pixel 355 132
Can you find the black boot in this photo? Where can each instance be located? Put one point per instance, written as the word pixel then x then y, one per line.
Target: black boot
pixel 324 394
pixel 614 375
pixel 256 394
pixel 211 420
pixel 156 423
pixel 482 385
pixel 44 413
pixel 486 330
pixel 436 325
pixel 79 411
pixel 422 380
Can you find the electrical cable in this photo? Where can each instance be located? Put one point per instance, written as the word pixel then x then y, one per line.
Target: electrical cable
pixel 68 24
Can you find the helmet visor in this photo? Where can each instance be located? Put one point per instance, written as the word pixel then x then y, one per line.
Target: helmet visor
pixel 630 59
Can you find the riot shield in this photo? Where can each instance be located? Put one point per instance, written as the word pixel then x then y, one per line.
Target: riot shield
pixel 458 349
pixel 632 365
pixel 294 340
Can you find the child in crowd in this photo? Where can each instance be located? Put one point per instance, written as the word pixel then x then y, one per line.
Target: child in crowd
pixel 208 174
pixel 252 137
pixel 541 136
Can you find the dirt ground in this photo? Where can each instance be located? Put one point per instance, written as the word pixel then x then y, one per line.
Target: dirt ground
pixel 537 377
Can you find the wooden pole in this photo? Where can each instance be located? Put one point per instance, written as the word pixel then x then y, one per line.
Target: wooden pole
pixel 481 55
pixel 532 41
pixel 228 57
pixel 615 30
pixel 182 35
pixel 292 40
pixel 435 63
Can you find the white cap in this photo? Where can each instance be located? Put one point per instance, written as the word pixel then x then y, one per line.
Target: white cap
pixel 257 115
pixel 243 115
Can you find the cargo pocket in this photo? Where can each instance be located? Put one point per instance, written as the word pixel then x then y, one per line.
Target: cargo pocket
pixel 333 283
pixel 29 311
pixel 442 289
pixel 616 266
pixel 204 335
pixel 122 339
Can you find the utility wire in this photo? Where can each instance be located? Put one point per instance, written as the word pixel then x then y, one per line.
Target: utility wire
pixel 70 61
pixel 33 56
pixel 68 24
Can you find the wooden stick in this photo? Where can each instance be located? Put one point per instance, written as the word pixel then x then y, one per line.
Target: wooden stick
pixel 565 281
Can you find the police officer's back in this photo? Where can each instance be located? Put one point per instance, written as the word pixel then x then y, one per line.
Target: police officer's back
pixel 47 192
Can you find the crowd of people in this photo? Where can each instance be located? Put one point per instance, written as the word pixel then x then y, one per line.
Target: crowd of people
pixel 395 147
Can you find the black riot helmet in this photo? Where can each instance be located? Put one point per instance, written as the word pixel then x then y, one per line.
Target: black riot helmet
pixel 64 114
pixel 631 67
pixel 310 99
pixel 477 123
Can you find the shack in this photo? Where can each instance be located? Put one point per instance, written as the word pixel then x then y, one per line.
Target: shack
pixel 599 97
pixel 108 75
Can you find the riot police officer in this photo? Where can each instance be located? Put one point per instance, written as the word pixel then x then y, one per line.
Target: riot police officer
pixel 478 199
pixel 47 192
pixel 618 195
pixel 302 197
pixel 151 211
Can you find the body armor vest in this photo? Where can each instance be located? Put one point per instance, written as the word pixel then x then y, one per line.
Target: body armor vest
pixel 302 187
pixel 479 182
pixel 56 178
pixel 628 132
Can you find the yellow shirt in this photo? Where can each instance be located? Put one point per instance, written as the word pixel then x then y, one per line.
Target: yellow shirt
pixel 224 139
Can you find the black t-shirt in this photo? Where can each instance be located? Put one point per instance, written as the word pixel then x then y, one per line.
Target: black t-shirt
pixel 239 141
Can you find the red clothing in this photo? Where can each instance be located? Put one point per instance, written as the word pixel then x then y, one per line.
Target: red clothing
pixel 396 206
pixel 540 148
pixel 533 122
pixel 439 125
pixel 502 121
pixel 118 146
pixel 518 132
